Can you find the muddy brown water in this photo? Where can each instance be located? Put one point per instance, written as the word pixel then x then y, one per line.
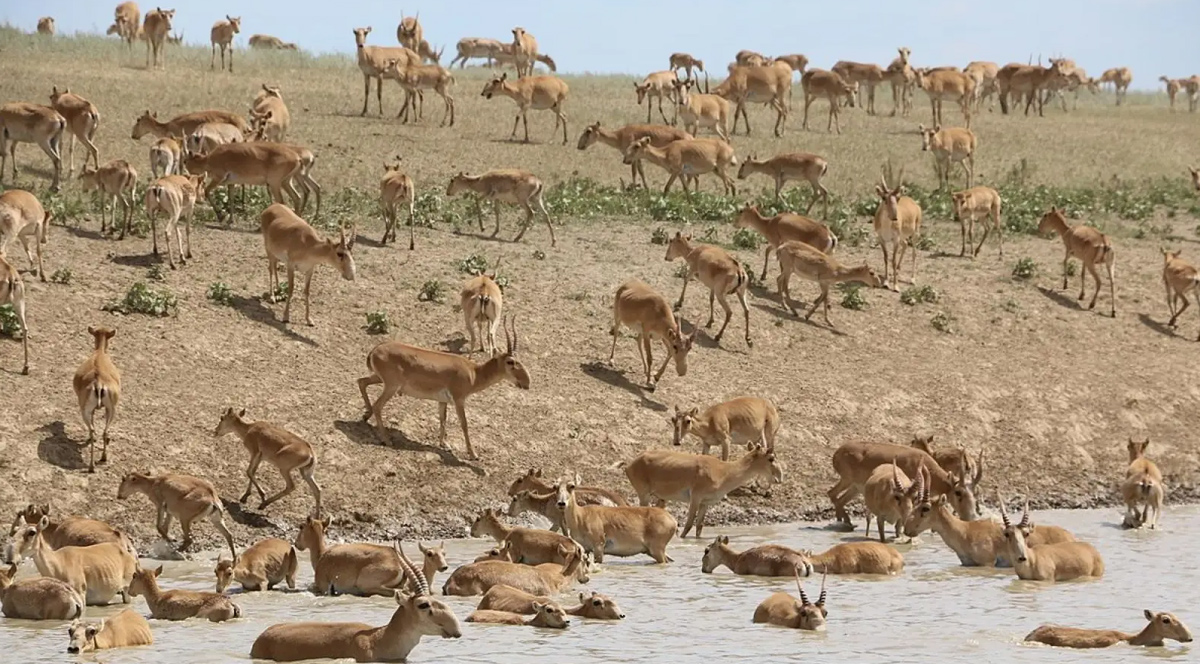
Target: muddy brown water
pixel 936 611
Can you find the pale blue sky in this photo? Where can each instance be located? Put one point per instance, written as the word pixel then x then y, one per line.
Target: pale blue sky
pixel 1153 37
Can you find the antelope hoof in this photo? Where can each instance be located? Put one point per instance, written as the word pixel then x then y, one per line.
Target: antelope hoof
pixel 749 343
pixel 651 387
pixel 25 371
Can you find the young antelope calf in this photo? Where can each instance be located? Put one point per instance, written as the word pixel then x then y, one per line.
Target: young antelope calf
pixel 279 447
pixel 184 497
pixel 897 222
pixel 1161 626
pixel 800 258
pixel 764 560
pixel 180 604
pixel 290 240
pixel 1143 486
pixel 97 384
pixel 785 227
pixel 974 203
pixel 717 269
pixel 548 614
pixel 783 610
pixel 950 146
pixel 397 188
pixel 117 180
pixel 23 217
pixel 267 562
pixel 124 630
pixel 1087 244
pixel 1180 278
pixel 482 300
pixel 175 196
pixel 505 185
pixel 742 420
pixel 12 291
pixel 537 93
pixel 21 122
pixel 640 308
pixel 791 166
pixel 686 62
pixel 83 119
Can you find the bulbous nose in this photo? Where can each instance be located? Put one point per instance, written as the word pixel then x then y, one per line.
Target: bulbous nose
pixel 561 504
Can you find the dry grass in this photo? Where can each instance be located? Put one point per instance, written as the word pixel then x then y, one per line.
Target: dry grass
pixel 1050 390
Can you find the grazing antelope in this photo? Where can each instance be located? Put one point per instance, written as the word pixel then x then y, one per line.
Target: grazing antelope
pixel 12 292
pixel 785 227
pixel 373 61
pixel 889 495
pixel 975 203
pixel 947 85
pixel 70 531
pixel 1161 626
pixel 1062 561
pixel 687 63
pixel 643 310
pixel 952 460
pixel 657 85
pixel 180 604
pixel 126 629
pixel 867 76
pixel 984 74
pixel 357 569
pixel 436 376
pixel 97 573
pixel 697 479
pixel 1143 486
pixel 128 22
pixel 740 420
pixel 269 117
pixel 279 447
pixel 476 47
pixel 97 384
pixel 527 546
pixel 185 124
pixel 397 188
pixel 513 600
pixel 176 196
pixel 45 26
pixel 269 42
pixel 697 110
pixel 763 560
pixel 482 302
pixel 783 610
pixel 897 221
pixel 950 146
pixel 623 137
pixel 290 240
pixel 156 27
pixel 222 35
pixel 409 32
pixel 31 123
pixel 117 180
pixel 717 269
pixel 38 598
pixel 505 185
pixel 857 558
pixel 533 480
pixel 416 78
pixel 166 157
pixel 615 531
pixel 83 119
pixel 801 258
pixel 525 50
pixel 1120 77
pixel 23 217
pixel 261 566
pixel 417 615
pixel 537 93
pixel 179 496
pixel 548 614
pixel 791 166
pixel 1180 278
pixel 822 83
pixel 1087 244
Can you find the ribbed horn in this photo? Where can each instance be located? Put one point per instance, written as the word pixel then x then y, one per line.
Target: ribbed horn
pixel 1025 516
pixel 821 599
pixel 514 335
pixel 921 482
pixel 927 479
pixel 1004 514
pixel 418 578
pixel 803 597
pixel 896 476
pixel 507 337
pixel 978 470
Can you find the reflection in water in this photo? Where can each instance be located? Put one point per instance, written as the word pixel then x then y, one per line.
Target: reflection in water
pixel 937 611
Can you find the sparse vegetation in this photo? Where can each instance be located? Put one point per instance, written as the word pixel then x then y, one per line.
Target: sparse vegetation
pixel 377 322
pixel 155 273
pixel 474 265
pixel 219 293
pixel 942 322
pixel 9 325
pixel 745 238
pixel 659 236
pixel 432 291
pixel 538 254
pixel 141 299
pixel 61 276
pixel 914 295
pixel 1072 268
pixel 278 295
pixel 1025 269
pixel 852 297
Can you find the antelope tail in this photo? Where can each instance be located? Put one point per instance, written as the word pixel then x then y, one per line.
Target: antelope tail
pixel 741 280
pixel 1145 486
pixel 237 611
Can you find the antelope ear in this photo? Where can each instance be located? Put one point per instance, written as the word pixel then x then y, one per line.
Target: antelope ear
pixel 326 521
pixel 241 413
pixel 157 572
pixel 538 607
pixel 724 539
pixel 1148 613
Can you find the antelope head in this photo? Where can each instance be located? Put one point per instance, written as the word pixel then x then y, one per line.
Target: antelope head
pixel 229 420
pixel 600 607
pixel 810 616
pixel 1014 536
pixel 428 616
pixel 82 636
pixel 513 370
pixel 312 534
pixel 889 197
pixel 435 556
pixel 715 554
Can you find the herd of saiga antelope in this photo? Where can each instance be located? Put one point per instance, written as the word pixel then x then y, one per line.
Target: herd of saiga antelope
pixel 916 488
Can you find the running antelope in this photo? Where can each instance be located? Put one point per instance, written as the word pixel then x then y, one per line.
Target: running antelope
pixel 544 579
pixel 1161 627
pixel 525 51
pixel 505 185
pixel 699 480
pixel 37 598
pixel 785 227
pixel 476 47
pixel 415 78
pixel 183 125
pixel 1048 562
pixel 889 494
pixel 482 301
pixel 174 195
pixel 97 384
pixel 547 614
pixel 615 531
pixel 897 222
pixel 157 27
pixel 978 203
pixel 797 257
pixel 528 546
pixel 271 43
pixel 536 93
pixel 686 62
pixel 117 181
pixel 624 137
pixel 184 497
pixel 397 188
pixel 222 35
pixel 180 604
pixel 867 76
pixel 791 166
pixel 83 119
pixel 267 562
pixel 822 83
pixel 31 123
pixel 126 629
pixel 23 217
pixel 857 558
pixel 373 61
pixel 12 292
pixel 356 569
pixel 783 610
pixel 166 157
pixel 1087 244
pixel 854 463
pixel 274 165
pixel 764 560
pixel 1120 77
pixel 417 615
pixel 717 269
pixel 947 85
pixel 533 480
pixel 658 85
pixel 743 420
pixel 1180 278
pixel 643 310
pixel 436 376
pixel 279 447
pixel 70 531
pixel 697 110
pixel 290 240
pixel 506 598
pixel 97 573
pixel 949 146
pixel 1143 486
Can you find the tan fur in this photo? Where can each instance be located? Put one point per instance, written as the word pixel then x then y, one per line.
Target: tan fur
pixel 1161 627
pixel 185 124
pixel 719 271
pixel 658 85
pixel 482 302
pixel 950 146
pixel 128 22
pixel 697 110
pixel 763 560
pixel 97 572
pixel 373 61
pixel 889 495
pixel 182 497
pixel 180 604
pixel 623 137
pixel 416 78
pixel 271 43
pixel 646 312
pixel 273 165
pixel 857 558
pixel 820 83
pixel 686 62
pixel 31 123
pixel 984 74
pixel 586 495
pixel 545 615
pixel 978 203
pixel 769 84
pixel 83 119
pixel 1061 561
pixel 946 85
pixel 1121 78
pixel 117 180
pixel 525 51
pixel 157 26
pixel 1143 486
pixel 126 629
pixel 45 25
pixel 903 79
pixel 1180 278
pixel 174 195
pixel 97 384
pixel 206 137
pixel 617 531
pixel 476 47
pixel 543 503
pixel 544 579
pixel 952 459
pixel 528 546
pixel 397 188
pixel 506 598
pixel 357 569
pixel 866 75
pixel 798 166
pixel 277 446
pixel 978 543
pixel 537 93
pixel 38 598
pixel 410 32
pixel 23 217
pixel 166 157
pixel 260 567
pixel 70 531
pixel 505 185
pixel 796 257
pixel 897 221
pixel 221 36
pixel 742 420
pixel 270 116
pixel 785 227
pixel 1028 80
pixel 1087 244
pixel 290 240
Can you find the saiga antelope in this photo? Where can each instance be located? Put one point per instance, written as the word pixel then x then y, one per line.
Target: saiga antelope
pixel 183 125
pixel 397 188
pixel 31 123
pixel 290 240
pixel 1180 278
pixel 827 84
pixel 533 480
pixel 1049 562
pixel 156 27
pixel 126 629
pixel 1143 486
pixel 947 85
pixel 785 227
pixel 657 85
pixel 1120 77
pixel 117 181
pixel 175 495
pixel 222 35
pixel 616 531
pixel 37 598
pixel 279 447
pixel 23 217
pixel 176 196
pixel 797 257
pixel 525 51
pixel 889 494
pixel 71 530
pixel 83 119
pixel 742 420
pixel 166 157
pixel 506 598
pixel 476 47
pixel 691 157
pixel 537 93
pixel 97 384
pixel 482 301
pixel 261 566
pixel 1087 244
pixel 697 110
pixel 353 568
pixel 12 292
pixel 505 185
pixel 127 19
pixel 949 146
pixel 275 165
pixel 978 203
pixel 866 76
pixel 783 610
pixel 414 79
pixel 857 558
pixel 719 271
pixel 409 32
pixel 45 26
pixel 687 63
pixel 623 137
pixel 897 221
pixel 547 614
pixel 373 60
pixel 1173 87
pixel 97 573
pixel 437 376
pixel 791 166
pixel 1161 626
pixel 763 560
pixel 180 604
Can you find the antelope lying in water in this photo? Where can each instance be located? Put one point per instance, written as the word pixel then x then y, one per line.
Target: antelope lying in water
pixel 357 569
pixel 124 630
pixel 260 567
pixel 1161 626
pixel 513 600
pixel 547 614
pixel 544 579
pixel 1048 562
pixel 783 610
pixel 180 604
pixel 857 558
pixel 39 598
pixel 764 560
